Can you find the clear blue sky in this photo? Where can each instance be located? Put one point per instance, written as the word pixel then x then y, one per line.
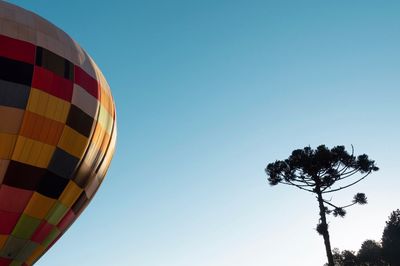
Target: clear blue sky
pixel 207 93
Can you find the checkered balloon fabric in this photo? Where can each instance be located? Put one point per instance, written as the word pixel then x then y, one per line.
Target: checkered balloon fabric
pixel 57 133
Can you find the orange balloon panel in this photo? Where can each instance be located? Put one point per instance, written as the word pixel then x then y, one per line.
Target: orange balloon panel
pixel 57 133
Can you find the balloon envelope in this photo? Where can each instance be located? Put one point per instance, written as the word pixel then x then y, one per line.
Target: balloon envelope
pixel 57 133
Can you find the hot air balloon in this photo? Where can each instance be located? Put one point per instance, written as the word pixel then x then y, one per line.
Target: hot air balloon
pixel 57 133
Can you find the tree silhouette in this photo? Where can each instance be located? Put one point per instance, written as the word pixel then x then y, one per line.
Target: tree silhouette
pixel 391 239
pixel 320 172
pixel 370 254
pixel 373 253
pixel 344 258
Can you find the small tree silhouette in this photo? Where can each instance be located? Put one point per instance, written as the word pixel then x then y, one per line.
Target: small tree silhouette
pixel 370 254
pixel 391 239
pixel 344 258
pixel 318 171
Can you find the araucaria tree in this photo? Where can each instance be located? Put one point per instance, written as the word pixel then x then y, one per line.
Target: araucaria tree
pixel 323 171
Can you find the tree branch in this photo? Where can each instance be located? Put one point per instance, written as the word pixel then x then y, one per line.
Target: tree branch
pixel 354 203
pixel 292 184
pixel 334 206
pixel 327 202
pixel 350 173
pixel 296 179
pixel 340 188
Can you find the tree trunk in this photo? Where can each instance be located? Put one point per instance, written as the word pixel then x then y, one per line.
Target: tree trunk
pixel 325 232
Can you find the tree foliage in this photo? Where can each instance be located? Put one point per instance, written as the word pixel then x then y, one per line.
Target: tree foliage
pixel 322 168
